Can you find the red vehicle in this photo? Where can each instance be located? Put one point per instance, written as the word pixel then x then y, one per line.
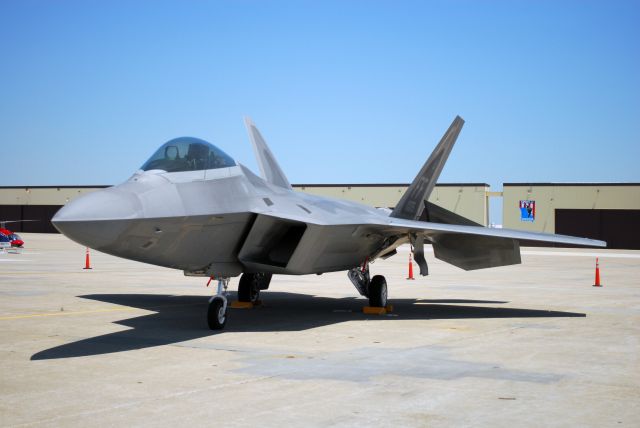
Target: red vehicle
pixel 15 239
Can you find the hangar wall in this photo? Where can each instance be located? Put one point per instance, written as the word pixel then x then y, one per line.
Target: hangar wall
pixel 466 199
pixel 42 195
pixel 42 202
pixel 36 203
pixel 607 211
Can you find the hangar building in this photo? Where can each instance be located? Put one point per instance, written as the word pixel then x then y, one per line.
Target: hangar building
pixel 608 211
pixel 42 202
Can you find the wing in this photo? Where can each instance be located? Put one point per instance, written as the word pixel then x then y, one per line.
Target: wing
pixel 475 247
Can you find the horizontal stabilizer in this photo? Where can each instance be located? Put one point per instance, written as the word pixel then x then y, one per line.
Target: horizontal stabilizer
pixel 411 204
pixel 269 167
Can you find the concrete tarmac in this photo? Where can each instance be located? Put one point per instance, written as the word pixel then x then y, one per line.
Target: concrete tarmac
pixel 126 344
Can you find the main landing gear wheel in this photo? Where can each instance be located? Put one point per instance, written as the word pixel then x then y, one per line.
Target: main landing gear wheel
pixel 250 286
pixel 217 314
pixel 378 292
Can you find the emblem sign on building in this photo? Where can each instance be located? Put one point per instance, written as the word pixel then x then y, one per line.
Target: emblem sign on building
pixel 527 210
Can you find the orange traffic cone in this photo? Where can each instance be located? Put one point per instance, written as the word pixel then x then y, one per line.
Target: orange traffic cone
pixel 87 260
pixel 410 268
pixel 597 284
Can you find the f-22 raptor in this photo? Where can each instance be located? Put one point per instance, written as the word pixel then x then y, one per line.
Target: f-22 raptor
pixel 192 207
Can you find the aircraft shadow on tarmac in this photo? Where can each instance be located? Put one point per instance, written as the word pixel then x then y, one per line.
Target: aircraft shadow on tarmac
pixel 182 318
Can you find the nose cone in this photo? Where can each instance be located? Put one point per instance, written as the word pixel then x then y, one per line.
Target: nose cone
pixel 97 219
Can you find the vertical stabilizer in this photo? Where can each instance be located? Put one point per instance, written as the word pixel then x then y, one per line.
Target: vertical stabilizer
pixel 412 202
pixel 269 168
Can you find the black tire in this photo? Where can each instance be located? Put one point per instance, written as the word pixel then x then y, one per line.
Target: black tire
pixel 378 292
pixel 249 288
pixel 216 317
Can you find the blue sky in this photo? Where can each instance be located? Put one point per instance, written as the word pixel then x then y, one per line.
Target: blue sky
pixel 343 91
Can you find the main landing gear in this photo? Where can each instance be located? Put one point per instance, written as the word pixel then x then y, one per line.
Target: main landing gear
pixel 218 307
pixel 250 286
pixel 373 288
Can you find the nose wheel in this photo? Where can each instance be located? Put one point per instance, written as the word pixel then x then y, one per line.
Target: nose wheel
pixel 218 309
pixel 217 313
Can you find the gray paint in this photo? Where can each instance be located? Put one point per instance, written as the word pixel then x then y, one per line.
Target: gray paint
pixel 218 222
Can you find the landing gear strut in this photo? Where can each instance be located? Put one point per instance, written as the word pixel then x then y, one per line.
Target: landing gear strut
pixel 251 284
pixel 373 288
pixel 217 312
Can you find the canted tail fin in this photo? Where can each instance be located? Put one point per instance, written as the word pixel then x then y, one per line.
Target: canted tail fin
pixel 412 202
pixel 269 168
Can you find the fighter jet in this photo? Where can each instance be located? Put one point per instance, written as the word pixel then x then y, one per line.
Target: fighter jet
pixel 192 207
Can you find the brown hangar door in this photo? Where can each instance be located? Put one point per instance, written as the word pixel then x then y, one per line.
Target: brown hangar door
pixel 42 215
pixel 620 228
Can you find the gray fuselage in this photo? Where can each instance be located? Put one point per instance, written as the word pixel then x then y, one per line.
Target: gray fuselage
pixel 222 222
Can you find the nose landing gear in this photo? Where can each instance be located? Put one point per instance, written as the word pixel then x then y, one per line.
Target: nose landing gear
pixel 218 308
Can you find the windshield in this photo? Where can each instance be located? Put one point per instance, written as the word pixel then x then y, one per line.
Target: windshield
pixel 187 154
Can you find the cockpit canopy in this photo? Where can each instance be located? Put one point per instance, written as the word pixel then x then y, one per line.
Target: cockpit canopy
pixel 187 154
